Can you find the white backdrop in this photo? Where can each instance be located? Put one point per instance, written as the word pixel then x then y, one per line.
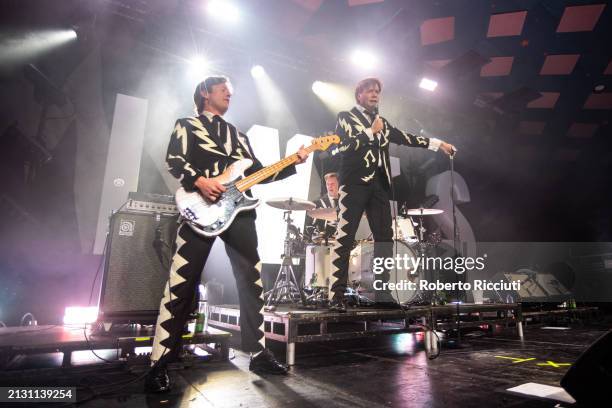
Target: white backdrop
pixel 270 225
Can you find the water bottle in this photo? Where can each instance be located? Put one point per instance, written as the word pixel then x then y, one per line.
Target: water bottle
pixel 202 320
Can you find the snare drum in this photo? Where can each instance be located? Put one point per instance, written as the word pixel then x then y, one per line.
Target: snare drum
pixel 318 266
pixel 405 230
pixel 360 270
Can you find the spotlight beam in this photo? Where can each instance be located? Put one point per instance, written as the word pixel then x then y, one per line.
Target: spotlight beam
pixel 335 97
pixel 22 47
pixel 274 103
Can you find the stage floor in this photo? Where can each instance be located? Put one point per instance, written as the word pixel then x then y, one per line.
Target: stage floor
pixel 386 371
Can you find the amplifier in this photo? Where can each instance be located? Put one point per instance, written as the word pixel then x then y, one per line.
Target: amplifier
pixel 138 256
pixel 148 202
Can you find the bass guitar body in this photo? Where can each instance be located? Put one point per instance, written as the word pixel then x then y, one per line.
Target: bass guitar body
pixel 208 218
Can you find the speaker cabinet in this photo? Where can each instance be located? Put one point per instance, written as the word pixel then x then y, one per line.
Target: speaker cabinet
pixel 138 256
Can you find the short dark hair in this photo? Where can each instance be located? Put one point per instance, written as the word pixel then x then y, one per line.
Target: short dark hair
pixel 365 83
pixel 207 85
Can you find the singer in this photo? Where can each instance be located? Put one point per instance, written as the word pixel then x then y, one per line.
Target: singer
pixel 365 183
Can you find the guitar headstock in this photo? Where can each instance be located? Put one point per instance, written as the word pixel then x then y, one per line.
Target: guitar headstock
pixel 323 142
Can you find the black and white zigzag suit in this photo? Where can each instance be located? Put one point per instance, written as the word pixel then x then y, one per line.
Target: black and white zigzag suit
pixel 206 146
pixel 365 179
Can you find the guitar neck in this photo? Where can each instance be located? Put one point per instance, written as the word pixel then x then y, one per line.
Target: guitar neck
pixel 266 172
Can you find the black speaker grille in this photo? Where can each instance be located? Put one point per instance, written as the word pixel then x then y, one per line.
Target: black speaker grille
pixel 134 275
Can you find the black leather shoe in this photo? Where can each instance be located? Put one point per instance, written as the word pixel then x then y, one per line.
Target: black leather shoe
pixel 158 381
pixel 266 363
pixel 337 305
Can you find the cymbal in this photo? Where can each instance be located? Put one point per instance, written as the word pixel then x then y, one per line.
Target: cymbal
pixel 327 214
pixel 424 211
pixel 291 204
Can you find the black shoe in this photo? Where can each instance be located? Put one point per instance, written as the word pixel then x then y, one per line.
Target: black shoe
pixel 266 363
pixel 158 381
pixel 337 305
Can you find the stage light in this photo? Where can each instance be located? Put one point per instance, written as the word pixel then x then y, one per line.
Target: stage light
pixel 318 87
pixel 80 315
pixel 599 88
pixel 224 10
pixel 198 62
pixel 198 67
pixel 428 84
pixel 364 59
pixel 258 71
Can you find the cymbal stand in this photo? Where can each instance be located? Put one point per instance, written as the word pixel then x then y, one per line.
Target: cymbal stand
pixel 286 288
pixel 421 250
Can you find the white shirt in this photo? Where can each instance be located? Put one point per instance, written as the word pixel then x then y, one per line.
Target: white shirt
pixel 228 140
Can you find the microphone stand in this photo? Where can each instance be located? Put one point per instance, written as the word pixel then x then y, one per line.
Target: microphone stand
pixel 455 240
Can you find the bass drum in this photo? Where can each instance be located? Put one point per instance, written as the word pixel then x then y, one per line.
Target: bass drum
pixel 361 274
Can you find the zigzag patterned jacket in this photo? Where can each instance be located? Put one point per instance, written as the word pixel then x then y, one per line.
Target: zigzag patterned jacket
pixel 359 155
pixel 196 149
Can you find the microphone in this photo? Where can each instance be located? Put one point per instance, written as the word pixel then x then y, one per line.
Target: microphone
pixel 375 112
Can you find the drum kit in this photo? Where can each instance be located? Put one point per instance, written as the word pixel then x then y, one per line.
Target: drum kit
pixel 316 249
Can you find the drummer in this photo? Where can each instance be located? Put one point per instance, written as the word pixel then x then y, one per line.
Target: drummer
pixel 330 200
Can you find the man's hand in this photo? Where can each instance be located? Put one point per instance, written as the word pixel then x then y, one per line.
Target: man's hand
pixel 448 148
pixel 211 189
pixel 377 125
pixel 302 155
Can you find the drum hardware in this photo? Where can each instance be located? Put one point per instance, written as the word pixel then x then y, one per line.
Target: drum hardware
pixel 421 246
pixel 354 297
pixel 318 258
pixel 407 241
pixel 286 287
pixel 329 215
pixel 326 214
pixel 317 272
pixel 291 204
pixel 323 238
pixel 434 239
pixel 420 212
pixel 362 276
pixel 423 211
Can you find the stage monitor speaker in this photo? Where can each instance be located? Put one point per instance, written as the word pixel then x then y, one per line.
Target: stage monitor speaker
pixel 588 380
pixel 138 256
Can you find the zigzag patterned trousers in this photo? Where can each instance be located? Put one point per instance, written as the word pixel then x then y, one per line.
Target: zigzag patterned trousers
pixel 354 199
pixel 190 254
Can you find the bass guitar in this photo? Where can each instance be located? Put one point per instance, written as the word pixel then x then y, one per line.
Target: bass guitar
pixel 209 218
